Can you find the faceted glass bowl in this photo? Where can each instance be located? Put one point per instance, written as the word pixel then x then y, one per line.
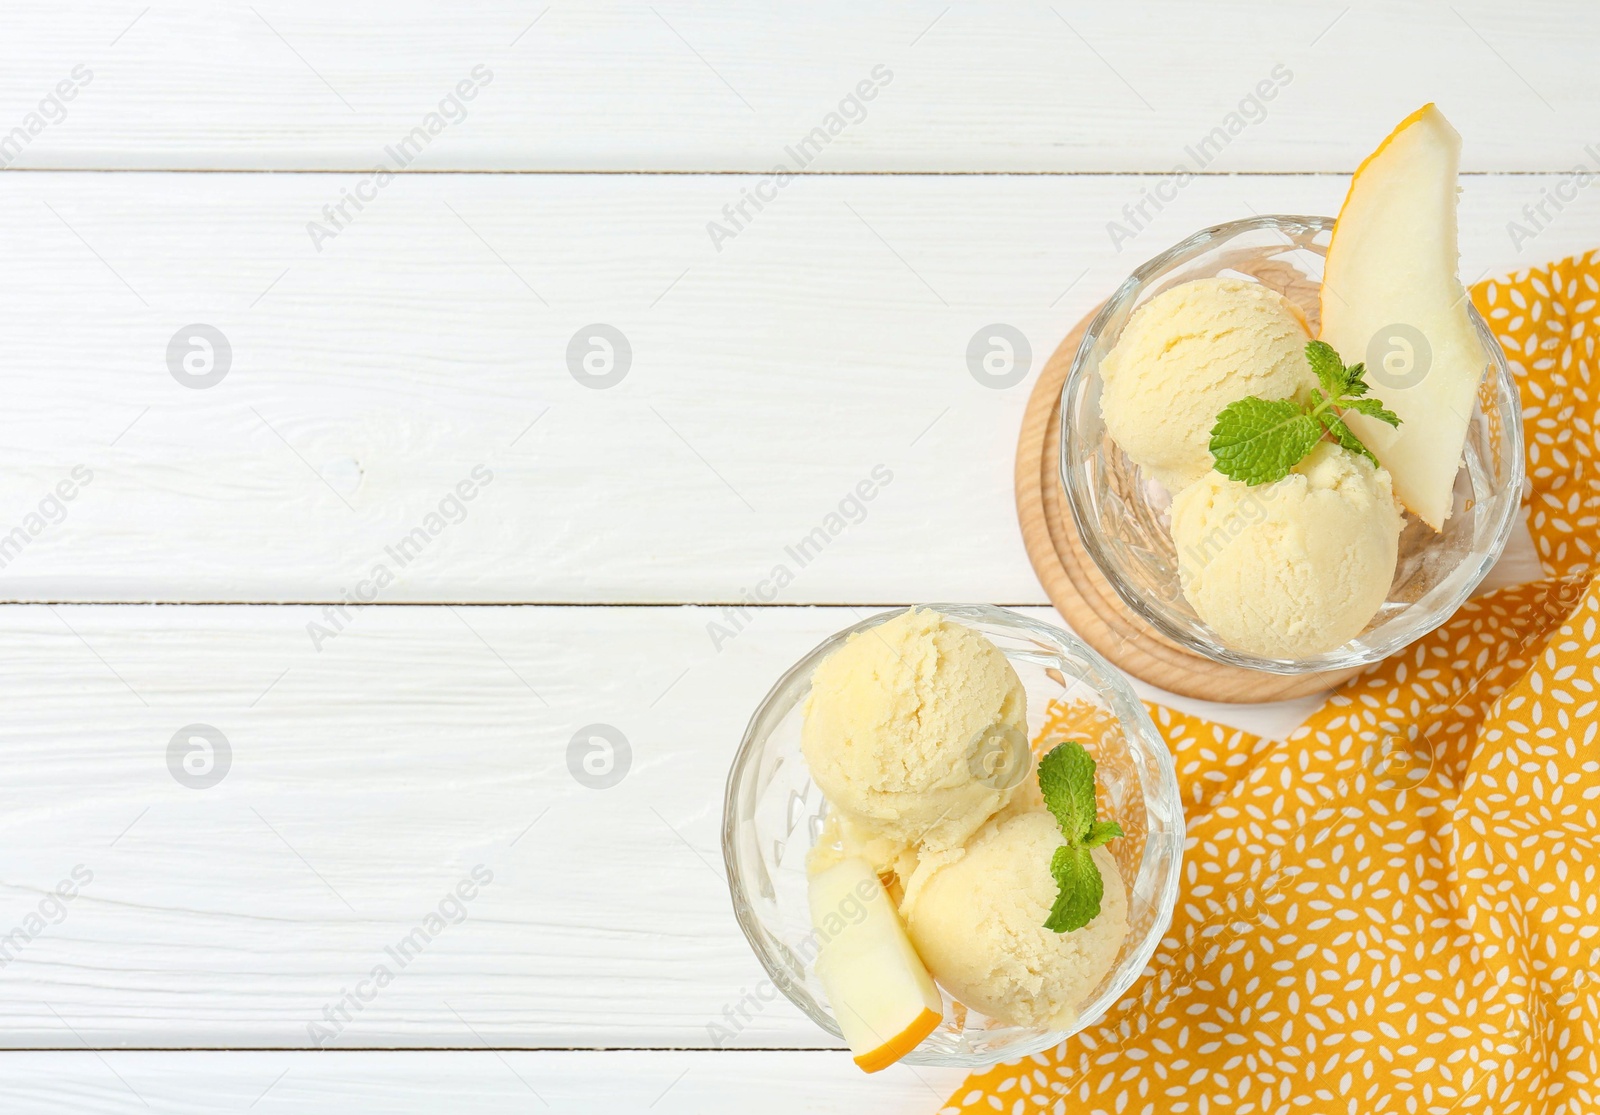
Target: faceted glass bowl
pixel 1121 515
pixel 773 814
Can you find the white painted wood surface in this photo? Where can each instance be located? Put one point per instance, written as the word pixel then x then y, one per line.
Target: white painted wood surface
pixel 1071 86
pixel 666 1082
pixel 368 380
pixel 365 780
pixel 373 769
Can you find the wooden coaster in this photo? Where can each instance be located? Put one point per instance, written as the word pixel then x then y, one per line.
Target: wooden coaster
pixel 1080 591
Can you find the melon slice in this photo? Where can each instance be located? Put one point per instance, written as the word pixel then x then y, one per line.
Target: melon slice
pixel 1391 298
pixel 882 996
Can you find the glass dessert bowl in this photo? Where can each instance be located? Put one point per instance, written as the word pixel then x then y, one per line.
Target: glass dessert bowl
pixel 1122 515
pixel 774 813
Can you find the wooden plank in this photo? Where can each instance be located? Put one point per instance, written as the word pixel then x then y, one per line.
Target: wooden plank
pixel 364 782
pixel 687 86
pixel 485 1083
pixel 820 356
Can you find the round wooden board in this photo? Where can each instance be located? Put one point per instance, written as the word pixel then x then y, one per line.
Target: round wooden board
pixel 1081 593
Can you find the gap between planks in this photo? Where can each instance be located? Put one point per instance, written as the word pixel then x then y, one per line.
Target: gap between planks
pixel 578 172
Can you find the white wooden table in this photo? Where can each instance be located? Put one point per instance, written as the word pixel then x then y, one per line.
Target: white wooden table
pixel 416 349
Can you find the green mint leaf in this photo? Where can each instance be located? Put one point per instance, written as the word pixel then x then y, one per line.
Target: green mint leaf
pixel 1356 383
pixel 1346 437
pixel 1257 441
pixel 1330 370
pixel 1372 408
pixel 1081 889
pixel 1066 780
pixel 1100 832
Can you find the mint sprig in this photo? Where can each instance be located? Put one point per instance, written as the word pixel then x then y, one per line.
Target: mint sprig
pixel 1066 779
pixel 1257 441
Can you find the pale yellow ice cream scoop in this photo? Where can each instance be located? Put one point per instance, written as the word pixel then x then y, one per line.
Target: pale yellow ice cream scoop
pixel 976 917
pixel 1184 356
pixel 1291 568
pixel 895 729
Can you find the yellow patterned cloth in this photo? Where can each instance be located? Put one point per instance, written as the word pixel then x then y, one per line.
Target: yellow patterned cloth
pixel 1397 909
